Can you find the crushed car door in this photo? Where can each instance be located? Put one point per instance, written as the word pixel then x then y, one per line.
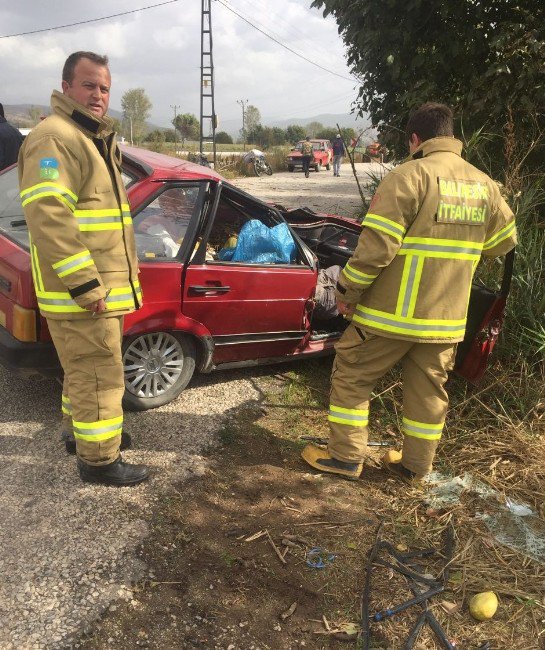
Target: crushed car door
pixel 253 299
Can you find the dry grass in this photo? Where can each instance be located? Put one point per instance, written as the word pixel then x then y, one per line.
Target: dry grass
pixel 495 432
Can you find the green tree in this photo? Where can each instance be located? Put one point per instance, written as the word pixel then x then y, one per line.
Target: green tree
pixel 188 126
pixel 312 128
pixel 136 108
pixel 156 139
pixel 252 118
pixel 483 58
pixel 34 114
pixel 294 133
pixel 278 135
pixel 223 138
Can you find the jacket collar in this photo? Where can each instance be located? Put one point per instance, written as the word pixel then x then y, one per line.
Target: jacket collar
pixel 96 127
pixel 443 143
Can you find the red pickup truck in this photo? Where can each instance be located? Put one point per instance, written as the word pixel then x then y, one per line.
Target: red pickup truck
pixel 322 155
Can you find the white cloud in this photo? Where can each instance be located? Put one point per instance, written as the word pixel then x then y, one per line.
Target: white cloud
pixel 159 50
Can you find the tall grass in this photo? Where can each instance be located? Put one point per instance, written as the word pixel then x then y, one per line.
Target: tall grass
pixel 523 340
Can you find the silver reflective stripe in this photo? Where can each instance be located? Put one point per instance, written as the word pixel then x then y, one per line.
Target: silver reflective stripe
pixel 410 286
pixel 56 301
pixel 97 430
pixel 348 416
pixel 409 326
pixel 48 188
pixel 397 231
pixel 76 262
pixel 116 219
pixel 120 297
pixel 440 249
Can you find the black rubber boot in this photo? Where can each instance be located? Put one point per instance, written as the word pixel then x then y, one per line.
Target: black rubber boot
pixel 117 473
pixel 70 442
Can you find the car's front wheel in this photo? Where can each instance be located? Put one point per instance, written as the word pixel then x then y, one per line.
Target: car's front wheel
pixel 318 166
pixel 157 366
pixel 328 166
pixel 291 168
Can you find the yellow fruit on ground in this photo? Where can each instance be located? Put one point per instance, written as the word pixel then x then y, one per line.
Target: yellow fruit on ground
pixel 483 606
pixel 392 456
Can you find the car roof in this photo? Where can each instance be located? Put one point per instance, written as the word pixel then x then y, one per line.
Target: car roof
pixel 160 165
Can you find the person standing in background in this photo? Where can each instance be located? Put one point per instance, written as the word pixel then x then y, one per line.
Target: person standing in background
pixel 10 142
pixel 338 154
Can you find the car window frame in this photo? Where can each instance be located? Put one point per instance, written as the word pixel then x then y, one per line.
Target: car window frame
pixel 308 260
pixel 187 245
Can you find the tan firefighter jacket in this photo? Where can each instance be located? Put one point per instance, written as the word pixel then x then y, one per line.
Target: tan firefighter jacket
pixel 428 224
pixel 81 236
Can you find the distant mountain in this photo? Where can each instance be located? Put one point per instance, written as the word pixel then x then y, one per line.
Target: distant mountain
pixel 18 115
pixel 327 119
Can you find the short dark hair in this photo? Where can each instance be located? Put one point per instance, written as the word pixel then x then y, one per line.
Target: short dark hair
pixel 72 60
pixel 2 111
pixel 430 120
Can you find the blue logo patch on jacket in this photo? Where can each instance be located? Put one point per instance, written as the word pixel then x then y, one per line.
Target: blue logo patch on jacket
pixel 49 168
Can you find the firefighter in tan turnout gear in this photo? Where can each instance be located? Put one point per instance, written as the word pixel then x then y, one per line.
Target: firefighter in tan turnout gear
pixel 406 289
pixel 84 262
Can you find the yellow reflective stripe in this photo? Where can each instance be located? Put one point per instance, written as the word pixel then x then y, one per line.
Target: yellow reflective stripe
pixel 349 417
pixel 358 277
pixel 38 281
pixel 66 405
pixel 126 207
pixel 383 224
pixel 73 263
pixel 41 195
pixel 423 430
pixel 106 212
pixel 49 184
pixel 416 327
pixel 127 221
pixel 57 302
pixel 410 281
pixel 444 248
pixel 98 430
pixel 500 236
pixel 92 227
pixel 95 220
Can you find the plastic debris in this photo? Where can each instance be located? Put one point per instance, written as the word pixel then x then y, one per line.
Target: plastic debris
pixel 512 524
pixel 318 558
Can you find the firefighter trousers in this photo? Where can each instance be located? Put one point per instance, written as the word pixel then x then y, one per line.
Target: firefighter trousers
pixel 90 354
pixel 362 359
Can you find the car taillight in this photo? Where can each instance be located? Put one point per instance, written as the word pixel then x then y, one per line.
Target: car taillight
pixel 24 324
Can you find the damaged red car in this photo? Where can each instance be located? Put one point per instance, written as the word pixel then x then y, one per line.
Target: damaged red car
pixel 228 280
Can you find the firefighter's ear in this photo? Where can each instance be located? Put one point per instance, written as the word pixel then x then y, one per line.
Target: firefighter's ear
pixel 414 142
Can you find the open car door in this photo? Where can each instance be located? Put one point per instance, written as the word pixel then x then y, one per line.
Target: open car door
pixel 484 322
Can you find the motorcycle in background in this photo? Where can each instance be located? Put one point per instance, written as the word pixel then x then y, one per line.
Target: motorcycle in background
pixel 256 158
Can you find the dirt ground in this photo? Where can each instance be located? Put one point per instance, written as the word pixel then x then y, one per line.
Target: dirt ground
pixel 233 553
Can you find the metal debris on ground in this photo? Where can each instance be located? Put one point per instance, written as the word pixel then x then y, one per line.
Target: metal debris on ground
pixel 422 585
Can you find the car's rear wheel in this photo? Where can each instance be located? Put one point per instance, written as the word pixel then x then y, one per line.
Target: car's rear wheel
pixel 157 366
pixel 318 166
pixel 328 166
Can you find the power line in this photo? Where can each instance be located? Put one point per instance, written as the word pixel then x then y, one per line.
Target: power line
pixel 91 20
pixel 286 47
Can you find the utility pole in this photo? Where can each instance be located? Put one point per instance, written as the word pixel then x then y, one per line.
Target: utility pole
pixel 207 81
pixel 175 107
pixel 243 103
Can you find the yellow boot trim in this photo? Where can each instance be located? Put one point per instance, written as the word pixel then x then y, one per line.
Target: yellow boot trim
pixel 311 454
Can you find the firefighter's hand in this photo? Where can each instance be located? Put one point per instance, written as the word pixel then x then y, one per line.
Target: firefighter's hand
pixel 345 308
pixel 96 307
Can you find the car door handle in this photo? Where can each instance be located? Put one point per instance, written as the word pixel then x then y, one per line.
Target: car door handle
pixel 195 288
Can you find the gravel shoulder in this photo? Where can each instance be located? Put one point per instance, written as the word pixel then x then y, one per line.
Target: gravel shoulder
pixel 70 551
